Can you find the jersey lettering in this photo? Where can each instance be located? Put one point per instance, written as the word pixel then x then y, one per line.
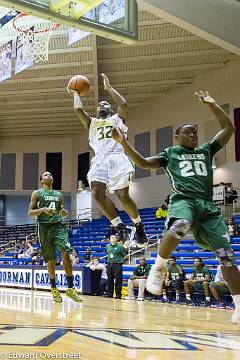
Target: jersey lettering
pixel 189 168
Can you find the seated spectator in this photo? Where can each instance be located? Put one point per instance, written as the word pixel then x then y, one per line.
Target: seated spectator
pixel 28 251
pixel 219 288
pixel 199 281
pixel 174 279
pixel 37 258
pixel 95 265
pixel 161 212
pixel 74 258
pixel 139 280
pixel 21 247
pixel 232 230
pixel 87 256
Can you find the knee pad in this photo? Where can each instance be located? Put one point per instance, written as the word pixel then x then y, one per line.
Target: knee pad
pixel 179 228
pixel 226 257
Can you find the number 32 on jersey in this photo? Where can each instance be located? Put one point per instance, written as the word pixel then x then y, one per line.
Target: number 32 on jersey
pixel 189 168
pixel 104 132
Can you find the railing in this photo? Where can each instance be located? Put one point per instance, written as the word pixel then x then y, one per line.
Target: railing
pixel 141 249
pixel 138 250
pixel 85 213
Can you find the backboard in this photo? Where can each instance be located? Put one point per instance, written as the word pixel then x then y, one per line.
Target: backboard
pixel 113 19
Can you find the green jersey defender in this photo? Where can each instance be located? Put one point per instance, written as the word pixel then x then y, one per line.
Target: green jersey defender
pixel 191 204
pixel 47 205
pixel 191 175
pixel 52 233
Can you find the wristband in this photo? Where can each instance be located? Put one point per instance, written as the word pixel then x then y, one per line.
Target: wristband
pixel 77 101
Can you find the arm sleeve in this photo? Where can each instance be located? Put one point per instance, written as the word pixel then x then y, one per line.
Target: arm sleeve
pixel 213 146
pixel 163 158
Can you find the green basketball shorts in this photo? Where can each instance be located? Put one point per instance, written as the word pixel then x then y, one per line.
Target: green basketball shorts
pixel 53 237
pixel 222 288
pixel 206 221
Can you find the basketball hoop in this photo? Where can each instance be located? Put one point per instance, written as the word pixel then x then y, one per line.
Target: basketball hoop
pixel 34 33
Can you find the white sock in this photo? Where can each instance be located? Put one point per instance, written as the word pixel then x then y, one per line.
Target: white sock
pixel 236 300
pixel 116 221
pixel 207 298
pixel 188 296
pixel 177 297
pixel 137 220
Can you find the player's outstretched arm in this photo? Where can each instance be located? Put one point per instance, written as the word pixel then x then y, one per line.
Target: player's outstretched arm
pixel 118 98
pixel 33 211
pixel 84 117
pixel 138 159
pixel 227 126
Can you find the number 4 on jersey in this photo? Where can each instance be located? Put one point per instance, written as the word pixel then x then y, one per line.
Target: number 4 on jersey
pixel 52 205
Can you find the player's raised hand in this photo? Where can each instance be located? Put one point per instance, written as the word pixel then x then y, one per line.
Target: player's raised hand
pixel 106 82
pixel 77 102
pixel 118 135
pixel 204 97
pixel 63 213
pixel 70 91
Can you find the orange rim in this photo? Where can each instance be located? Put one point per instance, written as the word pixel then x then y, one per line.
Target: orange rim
pixel 19 16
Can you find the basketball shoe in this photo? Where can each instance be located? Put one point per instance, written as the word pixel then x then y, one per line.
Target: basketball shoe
pixel 236 315
pixel 124 232
pixel 141 236
pixel 74 295
pixel 156 276
pixel 56 295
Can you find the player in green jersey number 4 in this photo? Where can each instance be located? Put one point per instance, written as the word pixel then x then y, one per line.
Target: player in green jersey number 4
pixel 48 206
pixel 189 168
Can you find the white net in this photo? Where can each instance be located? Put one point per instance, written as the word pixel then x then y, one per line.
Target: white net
pixel 34 34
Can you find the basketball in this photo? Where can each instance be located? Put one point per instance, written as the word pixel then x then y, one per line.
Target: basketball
pixel 80 84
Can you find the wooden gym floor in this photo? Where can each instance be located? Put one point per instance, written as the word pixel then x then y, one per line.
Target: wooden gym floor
pixel 32 326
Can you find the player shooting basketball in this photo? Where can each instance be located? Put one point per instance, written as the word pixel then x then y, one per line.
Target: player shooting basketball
pixel 110 168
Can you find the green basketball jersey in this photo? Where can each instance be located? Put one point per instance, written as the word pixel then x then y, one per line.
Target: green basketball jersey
pixel 51 199
pixel 174 272
pixel 200 273
pixel 190 170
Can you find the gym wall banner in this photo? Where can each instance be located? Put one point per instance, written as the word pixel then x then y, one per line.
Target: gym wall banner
pixel 16 277
pixel 41 279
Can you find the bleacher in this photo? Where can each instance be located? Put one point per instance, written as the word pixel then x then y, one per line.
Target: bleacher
pixel 93 234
